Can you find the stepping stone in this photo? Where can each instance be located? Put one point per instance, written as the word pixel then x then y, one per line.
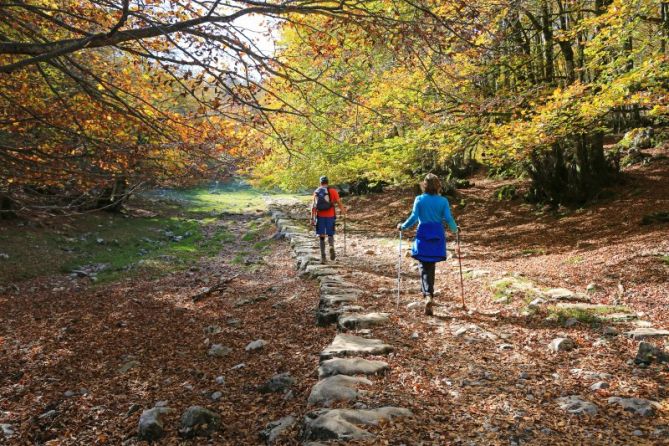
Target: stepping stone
pixel 343 424
pixel 315 271
pixel 336 388
pixel 368 320
pixel 575 404
pixel 329 314
pixel 347 345
pixel 331 299
pixel 351 366
pixel 637 406
pixel 643 333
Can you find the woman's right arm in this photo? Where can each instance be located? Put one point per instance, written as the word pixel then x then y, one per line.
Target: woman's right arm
pixel 413 218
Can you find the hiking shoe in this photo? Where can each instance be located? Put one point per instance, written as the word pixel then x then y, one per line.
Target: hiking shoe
pixel 323 260
pixel 332 254
pixel 428 309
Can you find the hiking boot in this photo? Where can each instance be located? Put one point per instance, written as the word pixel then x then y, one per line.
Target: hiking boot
pixel 428 305
pixel 428 309
pixel 332 254
pixel 323 260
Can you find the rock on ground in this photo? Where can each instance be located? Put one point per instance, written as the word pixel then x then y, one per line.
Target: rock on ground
pixel 643 333
pixel 351 366
pixel 352 320
pixel 218 350
pixel 343 424
pixel 648 353
pixel 345 344
pixel 637 406
pixel 274 430
pixel 196 421
pixel 561 345
pixel 151 424
pixel 336 388
pixel 575 404
pixel 255 345
pixel 7 430
pixel 278 383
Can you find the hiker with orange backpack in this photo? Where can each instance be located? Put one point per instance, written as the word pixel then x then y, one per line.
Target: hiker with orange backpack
pixel 323 215
pixel 429 247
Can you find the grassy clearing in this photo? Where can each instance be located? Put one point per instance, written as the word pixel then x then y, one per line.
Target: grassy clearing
pixel 184 231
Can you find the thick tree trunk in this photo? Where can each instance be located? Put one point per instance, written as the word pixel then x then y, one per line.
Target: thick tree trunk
pixel 112 198
pixel 6 207
pixel 571 172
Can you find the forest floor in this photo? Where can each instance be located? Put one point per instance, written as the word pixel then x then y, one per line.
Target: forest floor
pixel 81 355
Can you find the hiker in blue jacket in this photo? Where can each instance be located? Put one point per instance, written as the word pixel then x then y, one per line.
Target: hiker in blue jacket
pixel 430 209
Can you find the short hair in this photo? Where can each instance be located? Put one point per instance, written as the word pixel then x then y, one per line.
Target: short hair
pixel 431 184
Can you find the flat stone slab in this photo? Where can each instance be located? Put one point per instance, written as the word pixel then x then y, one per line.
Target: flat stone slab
pixel 643 333
pixel 619 317
pixel 344 424
pixel 319 270
pixel 348 345
pixel 351 366
pixel 329 314
pixel 336 388
pixel 557 294
pixel 575 404
pixel 368 320
pixel 332 299
pixel 637 406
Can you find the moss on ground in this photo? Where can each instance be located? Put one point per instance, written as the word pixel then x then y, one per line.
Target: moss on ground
pixel 184 231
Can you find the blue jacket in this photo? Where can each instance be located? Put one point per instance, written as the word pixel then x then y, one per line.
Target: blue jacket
pixel 430 242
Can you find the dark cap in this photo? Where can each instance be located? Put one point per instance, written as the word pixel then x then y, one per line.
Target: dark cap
pixel 324 179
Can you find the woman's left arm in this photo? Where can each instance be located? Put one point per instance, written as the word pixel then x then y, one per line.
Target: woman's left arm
pixel 449 218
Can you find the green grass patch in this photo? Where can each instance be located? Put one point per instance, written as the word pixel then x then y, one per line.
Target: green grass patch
pixel 574 260
pixel 588 315
pixel 188 227
pixel 664 259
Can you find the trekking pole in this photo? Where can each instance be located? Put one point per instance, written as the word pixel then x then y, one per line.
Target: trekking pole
pixel 344 235
pixel 399 270
pixel 462 283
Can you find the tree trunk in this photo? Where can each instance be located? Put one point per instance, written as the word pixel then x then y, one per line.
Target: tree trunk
pixel 112 198
pixel 547 36
pixel 565 47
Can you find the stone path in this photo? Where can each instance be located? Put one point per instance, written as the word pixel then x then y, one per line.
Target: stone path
pixel 346 370
pixel 345 358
